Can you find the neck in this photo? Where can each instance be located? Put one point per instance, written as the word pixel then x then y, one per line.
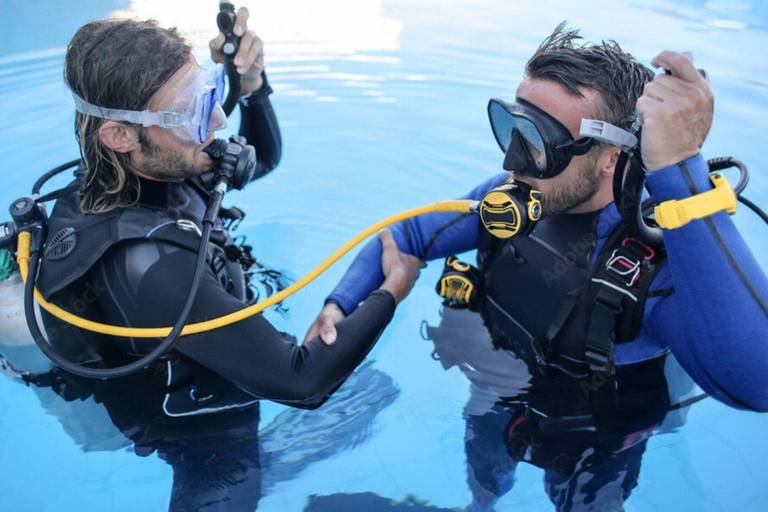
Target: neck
pixel 599 200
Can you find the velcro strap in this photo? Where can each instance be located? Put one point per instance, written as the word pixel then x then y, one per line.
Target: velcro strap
pixel 676 214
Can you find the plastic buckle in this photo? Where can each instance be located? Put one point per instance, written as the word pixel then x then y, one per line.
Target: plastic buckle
pixel 624 267
pixel 166 120
pixel 639 248
pixel 599 360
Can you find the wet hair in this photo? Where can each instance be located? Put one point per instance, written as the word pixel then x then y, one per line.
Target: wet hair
pixel 604 67
pixel 116 64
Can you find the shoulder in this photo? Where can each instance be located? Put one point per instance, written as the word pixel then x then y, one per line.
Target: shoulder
pixel 133 260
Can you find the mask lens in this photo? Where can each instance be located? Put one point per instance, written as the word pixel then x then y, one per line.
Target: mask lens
pixel 202 108
pixel 207 102
pixel 218 82
pixel 504 124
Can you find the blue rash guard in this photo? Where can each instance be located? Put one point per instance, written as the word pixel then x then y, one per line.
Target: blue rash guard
pixel 715 322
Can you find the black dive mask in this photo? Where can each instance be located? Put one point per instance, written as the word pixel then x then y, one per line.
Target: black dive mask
pixel 535 144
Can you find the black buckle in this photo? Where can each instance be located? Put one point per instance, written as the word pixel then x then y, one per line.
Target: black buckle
pixel 599 360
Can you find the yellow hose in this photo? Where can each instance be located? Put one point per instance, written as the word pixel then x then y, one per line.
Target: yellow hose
pixel 25 240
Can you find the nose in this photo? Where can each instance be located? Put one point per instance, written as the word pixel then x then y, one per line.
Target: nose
pixel 218 118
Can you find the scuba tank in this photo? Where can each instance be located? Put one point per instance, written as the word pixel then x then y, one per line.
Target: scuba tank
pixel 18 353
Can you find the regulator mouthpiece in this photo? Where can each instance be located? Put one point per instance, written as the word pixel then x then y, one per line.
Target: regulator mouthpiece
pixel 511 209
pixel 235 161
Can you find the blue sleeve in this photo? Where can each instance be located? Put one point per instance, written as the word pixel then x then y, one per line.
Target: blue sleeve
pixel 716 321
pixel 431 236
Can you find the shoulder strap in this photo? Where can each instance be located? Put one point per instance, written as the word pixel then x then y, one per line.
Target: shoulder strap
pixel 613 297
pixel 623 274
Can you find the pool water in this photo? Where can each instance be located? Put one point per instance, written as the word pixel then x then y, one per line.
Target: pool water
pixel 382 107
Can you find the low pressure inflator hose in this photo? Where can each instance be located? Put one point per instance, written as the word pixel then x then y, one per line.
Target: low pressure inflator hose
pixel 23 257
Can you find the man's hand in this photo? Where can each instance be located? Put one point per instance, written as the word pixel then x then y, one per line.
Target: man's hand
pixel 325 324
pixel 675 111
pixel 400 273
pixel 400 270
pixel 249 58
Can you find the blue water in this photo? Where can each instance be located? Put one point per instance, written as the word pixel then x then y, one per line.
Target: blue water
pixel 382 108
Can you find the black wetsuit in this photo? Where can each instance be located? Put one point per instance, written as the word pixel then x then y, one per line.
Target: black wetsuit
pixel 143 281
pixel 147 285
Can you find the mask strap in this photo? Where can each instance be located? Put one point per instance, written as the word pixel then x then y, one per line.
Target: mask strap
pixel 145 117
pixel 582 146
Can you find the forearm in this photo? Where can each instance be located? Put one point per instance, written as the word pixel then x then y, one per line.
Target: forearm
pixel 321 369
pixel 250 353
pixel 258 360
pixel 428 237
pixel 716 322
pixel 260 128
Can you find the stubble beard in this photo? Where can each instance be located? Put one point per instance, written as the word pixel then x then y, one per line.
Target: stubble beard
pixel 167 165
pixel 569 194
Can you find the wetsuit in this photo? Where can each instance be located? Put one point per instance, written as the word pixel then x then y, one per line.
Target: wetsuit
pixel 142 280
pixel 705 304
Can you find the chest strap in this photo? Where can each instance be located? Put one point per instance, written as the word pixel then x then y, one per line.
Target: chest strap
pixel 614 297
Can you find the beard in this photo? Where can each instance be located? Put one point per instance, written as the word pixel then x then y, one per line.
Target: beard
pixel 563 195
pixel 167 165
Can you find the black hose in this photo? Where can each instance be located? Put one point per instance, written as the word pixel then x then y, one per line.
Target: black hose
pixel 726 162
pixel 631 207
pixel 50 174
pixel 752 206
pixel 144 362
pixel 235 86
pixel 632 192
pixel 618 179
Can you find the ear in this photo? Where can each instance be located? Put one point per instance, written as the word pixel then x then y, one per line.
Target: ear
pixel 119 137
pixel 608 160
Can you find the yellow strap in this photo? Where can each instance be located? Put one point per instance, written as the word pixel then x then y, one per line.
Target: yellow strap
pixel 674 214
pixel 24 245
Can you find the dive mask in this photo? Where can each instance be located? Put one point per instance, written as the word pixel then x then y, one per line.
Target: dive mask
pixel 195 112
pixel 535 144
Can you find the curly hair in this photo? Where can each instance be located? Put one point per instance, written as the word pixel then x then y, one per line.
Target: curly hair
pixel 116 64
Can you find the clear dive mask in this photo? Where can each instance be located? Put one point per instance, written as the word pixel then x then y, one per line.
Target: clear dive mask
pixel 195 112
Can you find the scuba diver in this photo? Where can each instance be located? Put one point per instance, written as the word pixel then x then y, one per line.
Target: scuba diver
pixel 126 235
pixel 143 215
pixel 578 284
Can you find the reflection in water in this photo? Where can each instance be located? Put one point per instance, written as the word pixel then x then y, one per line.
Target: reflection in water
pixel 219 461
pixel 295 30
pixel 297 438
pixel 589 445
pixel 369 502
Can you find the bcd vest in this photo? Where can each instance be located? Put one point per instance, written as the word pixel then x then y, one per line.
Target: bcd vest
pixel 75 244
pixel 544 296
